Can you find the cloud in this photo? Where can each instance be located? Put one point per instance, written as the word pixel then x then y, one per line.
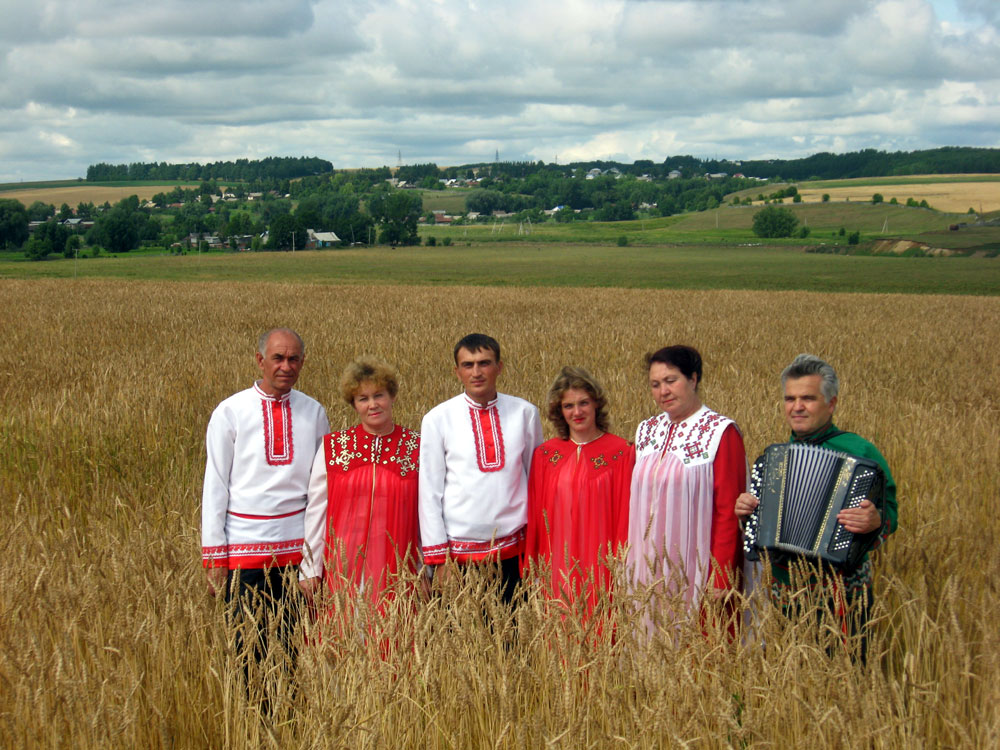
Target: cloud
pixel 452 81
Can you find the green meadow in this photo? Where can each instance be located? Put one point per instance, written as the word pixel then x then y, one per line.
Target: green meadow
pixel 563 264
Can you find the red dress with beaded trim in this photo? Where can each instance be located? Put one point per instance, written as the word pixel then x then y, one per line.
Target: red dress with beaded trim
pixel 578 503
pixel 371 516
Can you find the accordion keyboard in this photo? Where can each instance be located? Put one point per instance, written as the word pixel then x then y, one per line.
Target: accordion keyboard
pixel 809 475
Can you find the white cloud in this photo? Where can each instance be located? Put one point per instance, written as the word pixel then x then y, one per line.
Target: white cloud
pixel 83 81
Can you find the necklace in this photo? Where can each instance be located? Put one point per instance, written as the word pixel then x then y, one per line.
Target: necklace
pixel 579 445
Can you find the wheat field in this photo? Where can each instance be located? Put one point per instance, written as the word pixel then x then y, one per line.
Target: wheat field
pixel 956 197
pixel 109 639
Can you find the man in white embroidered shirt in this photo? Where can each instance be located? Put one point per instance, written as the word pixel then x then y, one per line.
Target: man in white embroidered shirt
pixel 260 447
pixel 475 453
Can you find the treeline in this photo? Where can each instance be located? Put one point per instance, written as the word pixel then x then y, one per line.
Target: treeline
pixel 873 163
pixel 826 166
pixel 242 170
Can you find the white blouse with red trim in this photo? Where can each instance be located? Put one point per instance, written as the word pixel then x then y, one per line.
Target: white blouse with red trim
pixel 260 451
pixel 474 463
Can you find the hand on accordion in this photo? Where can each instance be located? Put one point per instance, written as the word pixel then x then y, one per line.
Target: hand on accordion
pixel 745 505
pixel 861 520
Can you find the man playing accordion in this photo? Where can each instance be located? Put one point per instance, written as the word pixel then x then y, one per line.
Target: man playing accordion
pixel 810 392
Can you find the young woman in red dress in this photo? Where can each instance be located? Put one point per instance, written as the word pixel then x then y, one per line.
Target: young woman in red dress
pixel 578 492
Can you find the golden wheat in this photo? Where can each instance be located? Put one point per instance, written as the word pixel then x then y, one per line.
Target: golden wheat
pixel 108 639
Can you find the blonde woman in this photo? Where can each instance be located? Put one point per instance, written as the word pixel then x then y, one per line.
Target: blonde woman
pixel 361 517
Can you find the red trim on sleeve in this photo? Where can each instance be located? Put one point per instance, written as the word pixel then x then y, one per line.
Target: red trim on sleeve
pixel 729 478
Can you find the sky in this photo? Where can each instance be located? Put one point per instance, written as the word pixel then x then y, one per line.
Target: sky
pixel 368 83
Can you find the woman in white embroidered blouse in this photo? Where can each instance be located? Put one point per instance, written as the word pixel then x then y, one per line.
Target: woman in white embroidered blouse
pixel 684 536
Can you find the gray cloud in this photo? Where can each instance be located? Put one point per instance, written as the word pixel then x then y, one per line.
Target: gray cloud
pixel 83 81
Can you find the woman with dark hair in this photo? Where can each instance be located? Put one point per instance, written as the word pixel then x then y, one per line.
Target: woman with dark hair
pixel 690 468
pixel 578 491
pixel 361 517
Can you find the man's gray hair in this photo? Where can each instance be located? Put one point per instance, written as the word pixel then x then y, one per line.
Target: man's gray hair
pixel 264 337
pixel 810 364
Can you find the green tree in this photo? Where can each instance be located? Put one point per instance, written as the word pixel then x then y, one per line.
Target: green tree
pixel 36 248
pixel 877 198
pixel 397 212
pixel 286 232
pixel 49 237
pixel 73 244
pixel 774 221
pixel 13 223
pixel 39 211
pixel 116 231
pixel 826 197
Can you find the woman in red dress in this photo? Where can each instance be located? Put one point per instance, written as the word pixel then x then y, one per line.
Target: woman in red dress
pixel 578 491
pixel 361 517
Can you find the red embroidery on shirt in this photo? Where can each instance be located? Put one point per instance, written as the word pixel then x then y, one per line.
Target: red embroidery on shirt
pixel 488 437
pixel 277 431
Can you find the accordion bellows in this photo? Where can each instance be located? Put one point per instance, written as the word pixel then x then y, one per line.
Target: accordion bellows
pixel 801 489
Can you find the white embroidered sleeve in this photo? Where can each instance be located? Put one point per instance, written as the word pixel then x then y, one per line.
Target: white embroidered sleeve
pixel 220 441
pixel 433 535
pixel 314 545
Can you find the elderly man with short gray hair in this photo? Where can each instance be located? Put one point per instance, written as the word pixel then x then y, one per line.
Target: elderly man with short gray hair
pixel 260 447
pixel 811 389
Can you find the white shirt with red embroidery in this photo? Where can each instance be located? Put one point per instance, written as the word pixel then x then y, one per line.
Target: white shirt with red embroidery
pixel 474 463
pixel 260 452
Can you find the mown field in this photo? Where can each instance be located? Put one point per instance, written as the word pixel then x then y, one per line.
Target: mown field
pixel 955 193
pixel 956 197
pixel 73 194
pixel 691 266
pixel 108 639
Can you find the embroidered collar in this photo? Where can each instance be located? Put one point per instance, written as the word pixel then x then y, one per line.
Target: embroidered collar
pixel 269 397
pixel 354 447
pixel 476 405
pixel 690 418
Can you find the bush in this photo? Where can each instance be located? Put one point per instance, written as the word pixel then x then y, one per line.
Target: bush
pixel 446 241
pixel 854 238
pixel 877 198
pixel 36 248
pixel 773 221
pixel 73 244
pixel 622 241
pixel 826 197
pixel 430 241
pixel 803 232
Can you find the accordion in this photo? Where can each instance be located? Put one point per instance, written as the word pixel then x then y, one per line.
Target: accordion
pixel 801 489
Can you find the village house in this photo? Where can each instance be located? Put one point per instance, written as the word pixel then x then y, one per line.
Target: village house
pixel 319 240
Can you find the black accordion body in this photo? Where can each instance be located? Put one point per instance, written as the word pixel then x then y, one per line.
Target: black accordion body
pixel 801 489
